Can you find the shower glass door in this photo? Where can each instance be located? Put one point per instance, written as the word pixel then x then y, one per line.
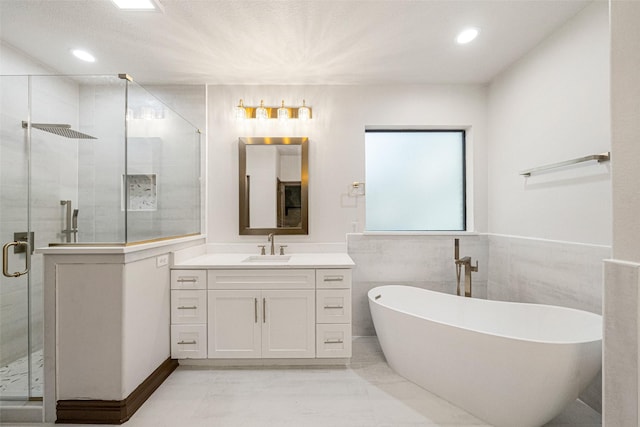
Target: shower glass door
pixel 16 301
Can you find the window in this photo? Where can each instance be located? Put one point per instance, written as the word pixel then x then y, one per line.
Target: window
pixel 415 180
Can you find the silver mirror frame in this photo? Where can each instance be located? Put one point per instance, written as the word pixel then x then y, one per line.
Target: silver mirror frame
pixel 243 195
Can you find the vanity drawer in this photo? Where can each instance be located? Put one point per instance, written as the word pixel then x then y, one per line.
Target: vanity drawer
pixel 337 278
pixel 262 279
pixel 188 279
pixel 333 340
pixel 333 305
pixel 189 341
pixel 188 306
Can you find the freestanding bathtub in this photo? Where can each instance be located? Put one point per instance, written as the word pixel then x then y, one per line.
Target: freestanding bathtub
pixel 509 364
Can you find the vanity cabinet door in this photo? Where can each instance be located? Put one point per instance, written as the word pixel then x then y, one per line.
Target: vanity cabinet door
pixel 235 324
pixel 288 328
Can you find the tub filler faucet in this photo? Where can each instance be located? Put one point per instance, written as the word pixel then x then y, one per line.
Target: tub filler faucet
pixel 468 269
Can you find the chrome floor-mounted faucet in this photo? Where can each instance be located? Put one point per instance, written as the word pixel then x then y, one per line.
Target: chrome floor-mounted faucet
pixel 468 269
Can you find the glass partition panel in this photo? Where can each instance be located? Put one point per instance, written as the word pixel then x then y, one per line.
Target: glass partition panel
pixel 101 161
pixel 15 296
pixel 162 185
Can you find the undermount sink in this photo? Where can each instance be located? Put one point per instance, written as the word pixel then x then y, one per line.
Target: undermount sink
pixel 267 258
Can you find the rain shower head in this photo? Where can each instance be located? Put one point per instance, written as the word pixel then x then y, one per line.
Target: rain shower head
pixel 59 129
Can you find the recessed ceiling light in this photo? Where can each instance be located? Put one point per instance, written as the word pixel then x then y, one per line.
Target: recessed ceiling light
pixel 138 4
pixel 467 35
pixel 83 55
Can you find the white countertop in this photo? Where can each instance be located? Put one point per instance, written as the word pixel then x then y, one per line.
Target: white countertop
pixel 297 260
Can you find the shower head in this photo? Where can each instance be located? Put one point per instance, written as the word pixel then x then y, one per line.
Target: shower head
pixel 59 129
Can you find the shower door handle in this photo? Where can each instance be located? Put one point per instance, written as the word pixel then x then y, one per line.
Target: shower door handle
pixel 5 259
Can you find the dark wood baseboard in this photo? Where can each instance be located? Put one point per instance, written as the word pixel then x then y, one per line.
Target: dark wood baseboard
pixel 113 411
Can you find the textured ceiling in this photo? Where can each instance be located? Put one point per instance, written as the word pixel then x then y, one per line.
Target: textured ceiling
pixel 284 42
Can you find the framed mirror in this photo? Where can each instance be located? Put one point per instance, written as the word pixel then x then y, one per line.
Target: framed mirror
pixel 273 185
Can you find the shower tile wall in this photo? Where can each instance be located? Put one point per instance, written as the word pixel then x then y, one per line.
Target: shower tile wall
pixel 13 164
pixel 54 177
pixel 421 261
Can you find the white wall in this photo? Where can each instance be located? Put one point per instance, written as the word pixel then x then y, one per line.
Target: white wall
pixel 625 113
pixel 336 147
pixel 549 233
pixel 550 106
pixel 622 274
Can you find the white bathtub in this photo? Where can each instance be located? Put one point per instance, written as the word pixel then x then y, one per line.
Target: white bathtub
pixel 508 364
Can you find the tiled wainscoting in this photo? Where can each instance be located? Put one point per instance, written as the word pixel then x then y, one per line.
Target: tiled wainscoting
pixel 510 269
pixel 421 261
pixel 622 280
pixel 549 272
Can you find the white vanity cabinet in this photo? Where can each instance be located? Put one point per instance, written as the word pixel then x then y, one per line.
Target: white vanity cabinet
pixel 266 313
pixel 188 314
pixel 230 308
pixel 333 313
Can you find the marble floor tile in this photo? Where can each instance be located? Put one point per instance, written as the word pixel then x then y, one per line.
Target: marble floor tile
pixel 14 377
pixel 365 394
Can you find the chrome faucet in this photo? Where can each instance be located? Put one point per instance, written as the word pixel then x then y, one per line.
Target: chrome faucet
pixel 271 239
pixel 468 269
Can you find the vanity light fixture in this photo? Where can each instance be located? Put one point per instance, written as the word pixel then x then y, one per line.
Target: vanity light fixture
pixel 241 112
pixel 261 112
pixel 467 35
pixel 304 112
pixel 283 113
pixel 264 112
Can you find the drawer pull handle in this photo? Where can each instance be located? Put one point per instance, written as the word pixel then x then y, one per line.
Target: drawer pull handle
pixel 333 307
pixel 333 342
pixel 190 280
pixel 187 342
pixel 334 278
pixel 255 310
pixel 190 307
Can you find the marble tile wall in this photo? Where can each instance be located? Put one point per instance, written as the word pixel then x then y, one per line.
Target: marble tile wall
pixel 424 261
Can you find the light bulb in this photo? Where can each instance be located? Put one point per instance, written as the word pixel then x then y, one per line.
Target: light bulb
pixel 304 113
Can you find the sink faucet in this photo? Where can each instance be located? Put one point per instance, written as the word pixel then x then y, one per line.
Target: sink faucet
pixel 271 239
pixel 468 269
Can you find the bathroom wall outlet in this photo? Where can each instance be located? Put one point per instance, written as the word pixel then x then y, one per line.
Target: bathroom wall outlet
pixel 162 260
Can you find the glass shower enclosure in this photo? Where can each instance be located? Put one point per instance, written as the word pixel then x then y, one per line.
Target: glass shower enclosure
pixel 88 161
